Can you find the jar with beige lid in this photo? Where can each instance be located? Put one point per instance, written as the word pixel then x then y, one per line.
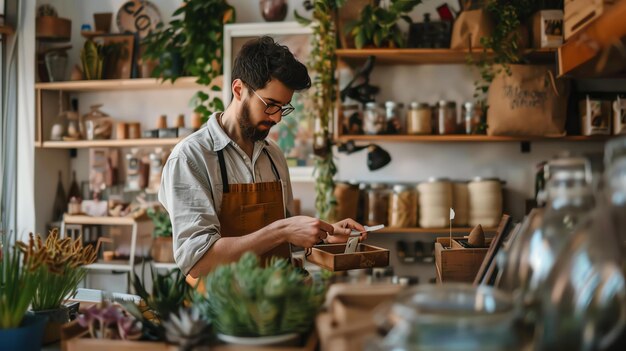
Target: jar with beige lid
pixel 435 201
pixel 485 201
pixel 419 118
pixel 460 203
pixel 377 204
pixel 403 207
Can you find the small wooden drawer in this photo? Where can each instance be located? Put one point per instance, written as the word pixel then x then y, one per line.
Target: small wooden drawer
pixel 457 264
pixel 333 258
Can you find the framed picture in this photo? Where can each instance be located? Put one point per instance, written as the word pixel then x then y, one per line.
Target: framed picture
pixel 294 134
pixel 118 52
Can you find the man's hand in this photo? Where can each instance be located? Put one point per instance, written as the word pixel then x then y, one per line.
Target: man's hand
pixel 304 231
pixel 343 229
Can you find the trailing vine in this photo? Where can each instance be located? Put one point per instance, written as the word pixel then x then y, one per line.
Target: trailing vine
pixel 323 62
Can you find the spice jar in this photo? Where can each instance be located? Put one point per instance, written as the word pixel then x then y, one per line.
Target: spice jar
pixel 460 203
pixel 471 117
pixel 419 118
pixel 435 200
pixel 403 207
pixel 446 117
pixel 347 195
pixel 377 204
pixel 374 121
pixel 485 201
pixel 394 121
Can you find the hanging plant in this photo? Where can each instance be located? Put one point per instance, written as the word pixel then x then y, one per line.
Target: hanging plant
pixel 193 41
pixel 323 63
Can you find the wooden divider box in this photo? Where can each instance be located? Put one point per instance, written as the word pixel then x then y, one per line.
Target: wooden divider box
pixel 458 264
pixel 333 258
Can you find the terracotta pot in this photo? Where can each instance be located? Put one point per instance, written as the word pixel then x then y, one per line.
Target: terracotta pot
pixel 162 249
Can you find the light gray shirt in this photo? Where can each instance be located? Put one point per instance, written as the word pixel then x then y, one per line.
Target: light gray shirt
pixel 191 186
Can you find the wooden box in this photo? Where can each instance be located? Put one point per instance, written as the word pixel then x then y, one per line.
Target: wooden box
pixel 579 13
pixel 332 258
pixel 73 339
pixel 458 264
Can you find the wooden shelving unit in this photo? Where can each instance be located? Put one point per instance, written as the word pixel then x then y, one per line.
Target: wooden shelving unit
pixel 456 230
pixel 429 56
pixel 89 220
pixel 121 84
pixel 581 51
pixel 463 138
pixel 83 144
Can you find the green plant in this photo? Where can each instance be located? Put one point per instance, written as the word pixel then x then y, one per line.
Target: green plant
pixel 17 285
pixel 92 58
pixel 57 266
pixel 196 35
pixel 245 299
pixel 162 223
pixel 323 62
pixel 187 328
pixel 378 25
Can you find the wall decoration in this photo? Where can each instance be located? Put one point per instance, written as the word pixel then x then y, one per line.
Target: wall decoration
pixel 138 16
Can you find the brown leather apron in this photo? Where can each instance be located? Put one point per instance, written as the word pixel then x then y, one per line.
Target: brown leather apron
pixel 249 207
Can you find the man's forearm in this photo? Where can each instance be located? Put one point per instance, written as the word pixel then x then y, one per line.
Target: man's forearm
pixel 230 249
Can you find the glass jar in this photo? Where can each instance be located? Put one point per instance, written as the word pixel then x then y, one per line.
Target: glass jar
pixel 403 207
pixel 97 124
pixel 377 208
pixel 419 118
pixel 393 114
pixel 485 201
pixel 448 317
pixel 435 200
pixel 446 117
pixel 471 118
pixel 352 119
pixel 347 195
pixel 374 120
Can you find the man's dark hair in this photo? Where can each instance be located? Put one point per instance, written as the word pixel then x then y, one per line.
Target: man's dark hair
pixel 262 59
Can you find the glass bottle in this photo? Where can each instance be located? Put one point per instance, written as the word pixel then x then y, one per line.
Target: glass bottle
pixel 374 121
pixel 569 201
pixel 583 302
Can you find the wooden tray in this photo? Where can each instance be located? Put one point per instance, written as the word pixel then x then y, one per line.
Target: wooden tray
pixel 332 258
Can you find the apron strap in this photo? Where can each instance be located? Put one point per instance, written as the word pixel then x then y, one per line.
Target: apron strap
pixel 220 157
pixel 274 169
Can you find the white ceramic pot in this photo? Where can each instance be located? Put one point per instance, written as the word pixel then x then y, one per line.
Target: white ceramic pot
pixel 485 202
pixel 435 200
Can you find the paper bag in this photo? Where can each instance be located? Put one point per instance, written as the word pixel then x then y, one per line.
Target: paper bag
pixel 529 102
pixel 469 27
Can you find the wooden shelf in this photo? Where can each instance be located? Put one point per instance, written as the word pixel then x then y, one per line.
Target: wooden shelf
pixel 162 265
pixel 464 138
pixel 89 220
pixel 115 265
pixel 457 230
pixel 80 144
pixel 428 56
pixel 581 50
pixel 5 30
pixel 122 84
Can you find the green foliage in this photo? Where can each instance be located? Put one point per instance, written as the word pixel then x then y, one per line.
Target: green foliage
pixel 92 58
pixel 378 26
pixel 17 286
pixel 244 299
pixel 195 35
pixel 162 223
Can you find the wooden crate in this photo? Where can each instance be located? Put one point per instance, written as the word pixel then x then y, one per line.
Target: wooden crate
pixel 332 257
pixel 579 13
pixel 457 264
pixel 73 339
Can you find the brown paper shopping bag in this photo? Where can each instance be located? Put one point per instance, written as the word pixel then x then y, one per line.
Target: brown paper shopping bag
pixel 529 102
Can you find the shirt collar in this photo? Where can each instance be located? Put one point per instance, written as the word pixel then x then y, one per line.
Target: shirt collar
pixel 220 138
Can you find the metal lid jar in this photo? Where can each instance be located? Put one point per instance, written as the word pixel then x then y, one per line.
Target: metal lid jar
pixel 403 206
pixel 446 117
pixel 374 119
pixel 419 118
pixel 377 204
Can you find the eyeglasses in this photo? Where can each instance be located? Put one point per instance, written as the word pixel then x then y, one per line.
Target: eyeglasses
pixel 271 109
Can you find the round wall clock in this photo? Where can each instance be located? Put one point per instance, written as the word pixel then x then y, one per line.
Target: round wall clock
pixel 138 16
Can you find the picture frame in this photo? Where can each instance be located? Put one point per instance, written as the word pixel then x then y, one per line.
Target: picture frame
pixel 119 55
pixel 294 134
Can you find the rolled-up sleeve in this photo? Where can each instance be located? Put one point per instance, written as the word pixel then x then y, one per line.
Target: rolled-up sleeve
pixel 187 196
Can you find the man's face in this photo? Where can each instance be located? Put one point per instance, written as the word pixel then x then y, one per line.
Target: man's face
pixel 255 124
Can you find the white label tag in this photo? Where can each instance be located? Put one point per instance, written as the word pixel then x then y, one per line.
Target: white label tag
pixel 351 245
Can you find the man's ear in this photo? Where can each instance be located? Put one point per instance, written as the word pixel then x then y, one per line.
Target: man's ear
pixel 237 89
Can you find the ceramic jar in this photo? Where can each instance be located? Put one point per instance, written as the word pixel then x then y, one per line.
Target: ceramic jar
pixel 435 201
pixel 485 202
pixel 460 203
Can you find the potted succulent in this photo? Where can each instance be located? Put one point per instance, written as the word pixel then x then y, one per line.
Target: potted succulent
pixel 378 24
pixel 57 265
pixel 19 330
pixel 192 40
pixel 162 249
pixel 252 305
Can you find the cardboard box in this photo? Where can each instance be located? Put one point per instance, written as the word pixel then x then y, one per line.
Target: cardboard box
pixel 547 29
pixel 332 257
pixel 458 264
pixel 579 13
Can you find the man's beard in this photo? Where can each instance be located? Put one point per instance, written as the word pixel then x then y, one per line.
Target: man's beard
pixel 249 131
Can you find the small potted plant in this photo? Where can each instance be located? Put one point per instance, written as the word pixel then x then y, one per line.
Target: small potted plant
pixel 162 249
pixel 57 265
pixel 253 305
pixel 19 330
